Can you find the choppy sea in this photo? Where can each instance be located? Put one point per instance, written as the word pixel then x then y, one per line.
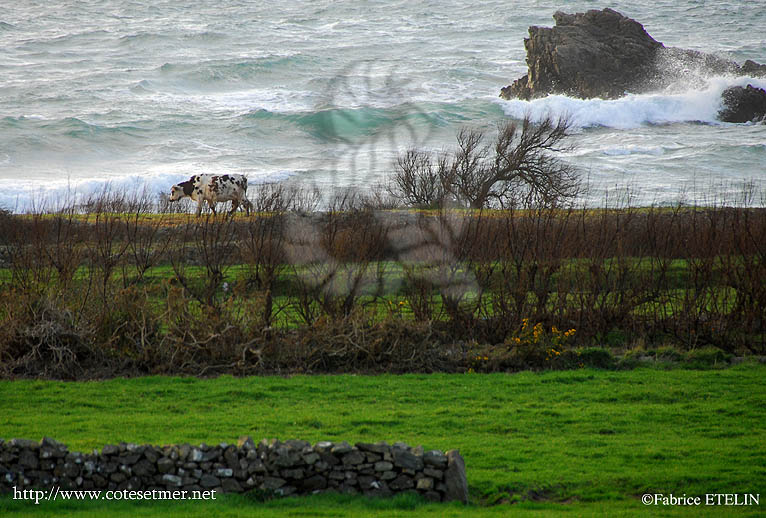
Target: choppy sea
pixel 139 94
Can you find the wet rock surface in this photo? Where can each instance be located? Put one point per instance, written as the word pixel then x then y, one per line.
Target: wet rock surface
pixel 743 104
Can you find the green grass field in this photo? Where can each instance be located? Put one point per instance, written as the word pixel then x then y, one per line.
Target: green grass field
pixel 573 443
pixel 383 286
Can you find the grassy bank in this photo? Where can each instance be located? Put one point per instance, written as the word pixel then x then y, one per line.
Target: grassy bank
pixel 584 442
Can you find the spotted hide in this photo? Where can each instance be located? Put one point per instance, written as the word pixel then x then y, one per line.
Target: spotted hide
pixel 213 189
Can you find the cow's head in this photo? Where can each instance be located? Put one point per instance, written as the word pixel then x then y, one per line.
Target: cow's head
pixel 181 190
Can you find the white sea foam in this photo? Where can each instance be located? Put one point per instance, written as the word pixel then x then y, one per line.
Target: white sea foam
pixel 633 150
pixel 19 196
pixel 634 110
pixel 270 99
pixel 239 102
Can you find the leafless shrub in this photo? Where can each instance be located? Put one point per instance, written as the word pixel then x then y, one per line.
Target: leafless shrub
pixel 107 200
pixel 204 339
pixel 303 200
pixel 272 198
pixel 25 241
pixel 146 236
pixel 129 334
pixel 420 179
pixel 331 258
pixel 7 240
pixel 64 250
pixel 106 245
pixel 208 242
pixel 40 338
pixel 522 271
pixel 379 199
pixel 519 167
pixel 435 257
pixel 261 246
pixel 744 265
pixel 608 278
pixel 359 343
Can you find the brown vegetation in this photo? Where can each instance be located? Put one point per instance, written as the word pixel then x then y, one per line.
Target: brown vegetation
pixel 90 292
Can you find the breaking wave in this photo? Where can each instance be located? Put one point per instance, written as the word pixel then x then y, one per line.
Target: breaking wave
pixel 634 110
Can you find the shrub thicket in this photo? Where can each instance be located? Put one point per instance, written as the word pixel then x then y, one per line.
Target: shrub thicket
pixel 114 287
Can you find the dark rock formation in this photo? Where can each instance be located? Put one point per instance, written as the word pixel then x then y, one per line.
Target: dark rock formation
pixel 585 55
pixel 743 104
pixel 752 68
pixel 605 54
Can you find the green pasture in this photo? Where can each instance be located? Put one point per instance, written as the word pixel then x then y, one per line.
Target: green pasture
pixel 384 283
pixel 571 443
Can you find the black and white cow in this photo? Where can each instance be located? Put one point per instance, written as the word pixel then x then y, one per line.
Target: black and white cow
pixel 212 188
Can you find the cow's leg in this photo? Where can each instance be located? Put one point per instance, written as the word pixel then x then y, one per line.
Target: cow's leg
pixel 211 204
pixel 199 207
pixel 234 207
pixel 246 203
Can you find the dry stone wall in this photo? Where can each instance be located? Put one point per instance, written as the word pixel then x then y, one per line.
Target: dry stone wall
pixel 281 468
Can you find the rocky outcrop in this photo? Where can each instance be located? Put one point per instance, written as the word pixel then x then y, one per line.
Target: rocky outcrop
pixel 743 104
pixel 592 54
pixel 752 68
pixel 197 472
pixel 605 54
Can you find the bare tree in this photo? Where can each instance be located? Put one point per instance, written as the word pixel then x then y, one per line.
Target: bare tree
pixel 418 179
pixel 519 166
